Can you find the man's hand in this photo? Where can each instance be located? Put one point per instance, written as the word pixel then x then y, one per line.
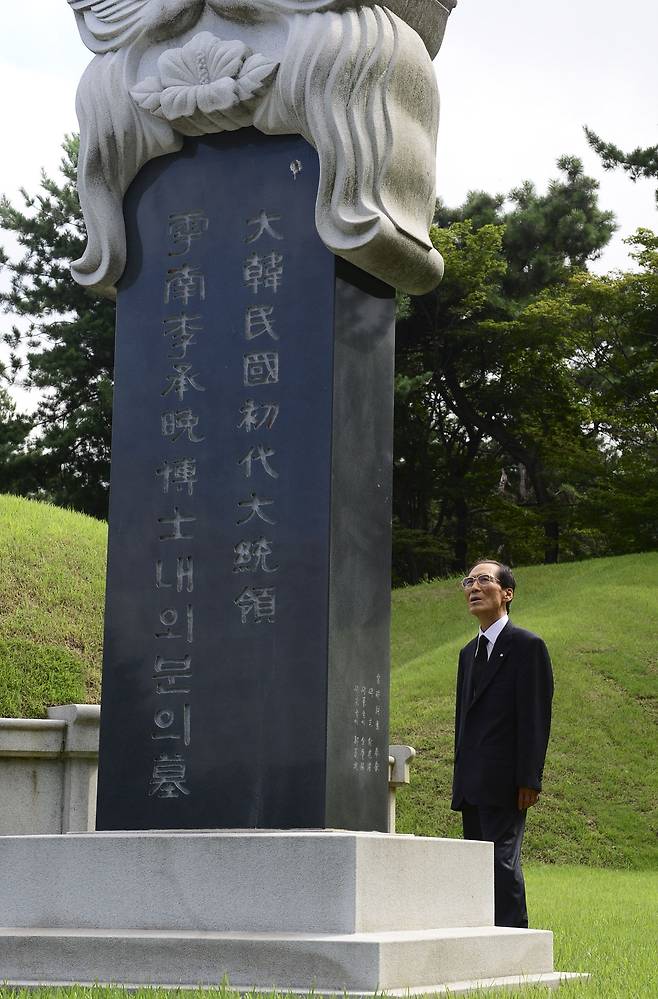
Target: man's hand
pixel 527 798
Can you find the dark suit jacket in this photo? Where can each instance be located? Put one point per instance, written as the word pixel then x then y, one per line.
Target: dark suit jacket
pixel 501 733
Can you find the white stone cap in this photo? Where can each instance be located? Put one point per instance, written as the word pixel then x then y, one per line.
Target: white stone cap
pixel 428 17
pixel 399 759
pixel 31 737
pixel 82 727
pixel 70 730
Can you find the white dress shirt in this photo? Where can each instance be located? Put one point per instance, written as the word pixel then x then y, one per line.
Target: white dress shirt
pixel 492 633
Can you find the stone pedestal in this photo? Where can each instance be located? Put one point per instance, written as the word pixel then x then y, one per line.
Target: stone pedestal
pixel 329 911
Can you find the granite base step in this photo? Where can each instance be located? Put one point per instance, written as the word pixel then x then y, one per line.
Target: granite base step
pixel 329 911
pixel 298 962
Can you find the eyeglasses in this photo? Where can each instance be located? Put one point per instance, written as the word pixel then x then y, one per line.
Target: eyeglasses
pixel 484 579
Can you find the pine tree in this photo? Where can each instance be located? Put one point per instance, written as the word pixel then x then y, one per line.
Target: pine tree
pixel 18 469
pixel 640 162
pixel 62 341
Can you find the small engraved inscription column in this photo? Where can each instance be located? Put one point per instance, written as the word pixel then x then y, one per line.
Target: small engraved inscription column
pixel 246 666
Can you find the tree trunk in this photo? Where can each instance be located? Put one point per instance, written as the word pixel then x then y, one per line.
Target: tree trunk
pixel 551 542
pixel 461 534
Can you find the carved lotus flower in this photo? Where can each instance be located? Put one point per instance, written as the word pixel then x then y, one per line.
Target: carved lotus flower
pixel 208 85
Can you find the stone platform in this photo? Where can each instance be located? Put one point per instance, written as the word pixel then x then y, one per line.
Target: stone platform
pixel 329 911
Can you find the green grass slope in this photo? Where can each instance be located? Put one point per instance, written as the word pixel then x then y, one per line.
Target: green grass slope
pixel 600 622
pixel 599 619
pixel 52 582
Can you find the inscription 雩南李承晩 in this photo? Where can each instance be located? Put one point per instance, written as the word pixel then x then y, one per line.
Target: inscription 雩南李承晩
pixel 262 271
pixel 177 474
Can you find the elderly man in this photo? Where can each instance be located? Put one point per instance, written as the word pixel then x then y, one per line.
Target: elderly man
pixel 503 718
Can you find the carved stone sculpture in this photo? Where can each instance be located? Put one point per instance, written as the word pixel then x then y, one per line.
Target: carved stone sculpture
pixel 354 77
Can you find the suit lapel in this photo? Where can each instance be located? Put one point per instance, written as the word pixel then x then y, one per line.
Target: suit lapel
pixel 496 660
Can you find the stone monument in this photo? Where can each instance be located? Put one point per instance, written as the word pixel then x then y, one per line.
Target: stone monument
pixel 256 177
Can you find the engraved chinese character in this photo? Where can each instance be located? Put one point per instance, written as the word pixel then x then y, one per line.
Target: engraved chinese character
pixel 184 283
pixel 259 601
pixel 252 556
pixel 176 521
pixel 255 504
pixel 180 473
pixel 258 454
pixel 252 421
pixel 184 575
pixel 182 382
pixel 169 618
pixel 168 778
pixel 273 271
pixel 181 329
pixel 261 368
pixel 183 228
pixel 267 271
pixel 165 718
pixel 175 423
pixel 252 272
pixel 258 320
pixel 263 222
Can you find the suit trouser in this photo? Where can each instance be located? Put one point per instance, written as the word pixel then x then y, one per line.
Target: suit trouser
pixel 504 827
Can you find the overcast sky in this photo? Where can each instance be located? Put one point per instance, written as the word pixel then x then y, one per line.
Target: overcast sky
pixel 518 80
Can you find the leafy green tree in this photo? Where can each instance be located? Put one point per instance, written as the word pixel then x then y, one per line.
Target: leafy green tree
pixel 435 451
pixel 615 318
pixel 498 433
pixel 62 341
pixel 640 162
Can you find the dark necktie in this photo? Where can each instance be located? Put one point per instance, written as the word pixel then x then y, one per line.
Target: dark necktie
pixel 480 664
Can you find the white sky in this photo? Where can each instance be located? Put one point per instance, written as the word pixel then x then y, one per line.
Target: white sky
pixel 518 79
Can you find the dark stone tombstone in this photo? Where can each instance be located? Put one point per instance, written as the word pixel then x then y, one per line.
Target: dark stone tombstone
pixel 246 670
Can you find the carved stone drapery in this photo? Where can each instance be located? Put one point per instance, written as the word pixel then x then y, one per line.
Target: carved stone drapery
pixel 354 78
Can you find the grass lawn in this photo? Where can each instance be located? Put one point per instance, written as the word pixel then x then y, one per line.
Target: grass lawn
pixel 599 619
pixel 605 922
pixel 52 585
pixel 598 810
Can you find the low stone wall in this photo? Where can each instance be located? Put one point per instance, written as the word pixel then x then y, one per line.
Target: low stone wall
pixel 49 766
pixel 48 769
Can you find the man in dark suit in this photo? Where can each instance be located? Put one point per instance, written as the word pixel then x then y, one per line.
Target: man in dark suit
pixel 503 719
